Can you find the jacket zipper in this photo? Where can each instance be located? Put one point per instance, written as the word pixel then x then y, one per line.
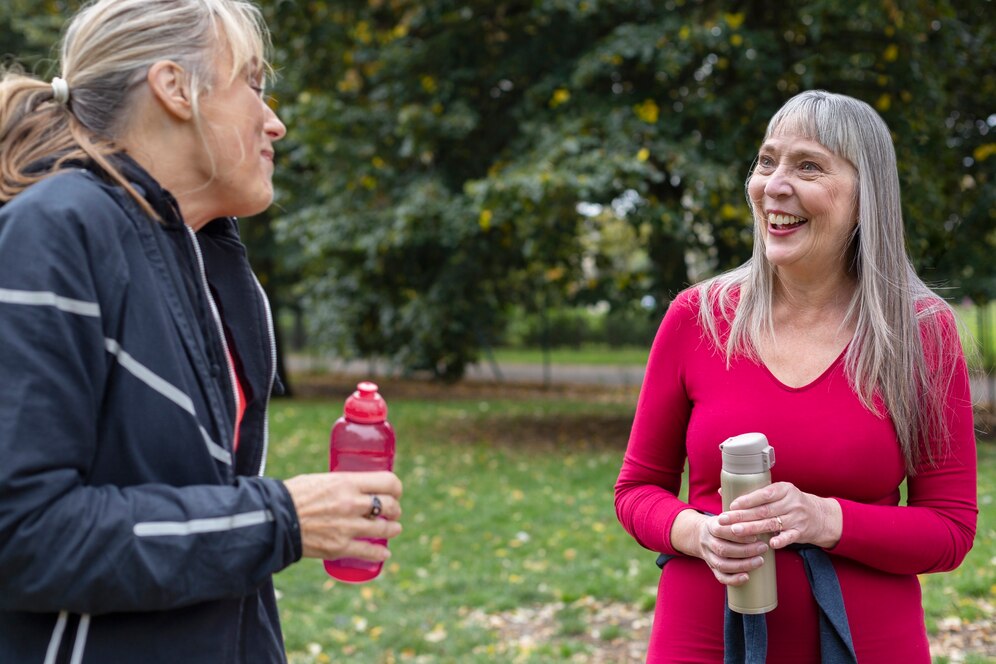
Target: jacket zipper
pixel 273 374
pixel 221 330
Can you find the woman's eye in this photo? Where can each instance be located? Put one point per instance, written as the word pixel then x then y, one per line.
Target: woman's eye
pixel 810 167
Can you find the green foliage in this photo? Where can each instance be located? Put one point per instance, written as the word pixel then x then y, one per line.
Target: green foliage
pixel 448 161
pixel 439 151
pixel 577 327
pixel 29 30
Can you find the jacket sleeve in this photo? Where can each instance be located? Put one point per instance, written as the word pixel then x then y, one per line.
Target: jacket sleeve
pixel 69 545
pixel 646 491
pixel 935 530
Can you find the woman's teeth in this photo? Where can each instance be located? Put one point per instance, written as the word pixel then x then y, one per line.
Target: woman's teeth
pixel 783 220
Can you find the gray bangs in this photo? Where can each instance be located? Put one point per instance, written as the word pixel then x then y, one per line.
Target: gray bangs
pixel 823 117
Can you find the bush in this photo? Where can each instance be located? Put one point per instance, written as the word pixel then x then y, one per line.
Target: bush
pixel 574 327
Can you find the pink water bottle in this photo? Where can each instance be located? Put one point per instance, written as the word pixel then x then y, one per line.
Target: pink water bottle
pixel 362 440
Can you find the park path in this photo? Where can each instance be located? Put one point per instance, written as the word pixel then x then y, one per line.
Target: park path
pixel 983 387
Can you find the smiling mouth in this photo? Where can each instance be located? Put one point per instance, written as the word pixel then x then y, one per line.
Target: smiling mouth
pixel 783 221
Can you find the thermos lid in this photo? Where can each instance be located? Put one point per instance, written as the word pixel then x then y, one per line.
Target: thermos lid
pixel 365 405
pixel 747 453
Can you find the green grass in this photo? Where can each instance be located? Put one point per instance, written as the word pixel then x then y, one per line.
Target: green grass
pixel 964 592
pixel 508 504
pixel 980 325
pixel 488 526
pixel 587 354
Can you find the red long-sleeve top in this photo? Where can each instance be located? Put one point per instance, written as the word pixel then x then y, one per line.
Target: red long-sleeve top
pixel 828 444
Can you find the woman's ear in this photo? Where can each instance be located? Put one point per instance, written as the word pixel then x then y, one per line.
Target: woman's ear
pixel 170 86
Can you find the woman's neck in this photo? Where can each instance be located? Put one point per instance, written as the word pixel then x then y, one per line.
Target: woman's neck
pixel 810 297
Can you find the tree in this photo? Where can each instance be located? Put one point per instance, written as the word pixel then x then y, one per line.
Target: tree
pixel 449 159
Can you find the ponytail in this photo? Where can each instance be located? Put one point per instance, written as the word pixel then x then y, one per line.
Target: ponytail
pixel 39 134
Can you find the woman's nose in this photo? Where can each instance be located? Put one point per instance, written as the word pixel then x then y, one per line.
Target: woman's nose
pixel 777 185
pixel 273 127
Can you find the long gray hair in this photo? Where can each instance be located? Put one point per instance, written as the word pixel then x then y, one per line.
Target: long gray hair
pixel 106 51
pixel 895 354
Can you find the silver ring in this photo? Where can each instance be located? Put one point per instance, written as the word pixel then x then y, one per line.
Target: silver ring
pixel 780 526
pixel 375 508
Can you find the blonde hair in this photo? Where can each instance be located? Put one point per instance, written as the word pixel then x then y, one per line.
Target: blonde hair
pixel 896 354
pixel 105 53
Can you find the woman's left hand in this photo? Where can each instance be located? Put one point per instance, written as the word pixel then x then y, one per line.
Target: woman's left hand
pixel 793 516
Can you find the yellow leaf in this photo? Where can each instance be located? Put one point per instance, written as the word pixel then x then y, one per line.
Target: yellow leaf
pixel 428 84
pixel 684 33
pixel 560 96
pixel 350 81
pixel 728 211
pixel 734 20
pixel 648 111
pixel 378 162
pixel 884 103
pixel 891 53
pixel 362 32
pixel 736 40
pixel 984 151
pixel 643 154
pixel 484 220
pixel 368 182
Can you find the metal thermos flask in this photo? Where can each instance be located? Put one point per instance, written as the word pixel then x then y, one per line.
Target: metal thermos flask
pixel 747 462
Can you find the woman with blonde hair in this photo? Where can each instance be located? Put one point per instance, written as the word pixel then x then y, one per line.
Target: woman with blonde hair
pixel 827 342
pixel 138 354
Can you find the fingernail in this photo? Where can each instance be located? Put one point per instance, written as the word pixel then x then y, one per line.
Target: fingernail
pixel 758 561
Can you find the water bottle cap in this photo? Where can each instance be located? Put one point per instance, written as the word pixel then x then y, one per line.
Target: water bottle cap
pixel 365 405
pixel 747 453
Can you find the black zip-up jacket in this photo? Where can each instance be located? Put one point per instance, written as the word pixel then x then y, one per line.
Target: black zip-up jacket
pixel 129 530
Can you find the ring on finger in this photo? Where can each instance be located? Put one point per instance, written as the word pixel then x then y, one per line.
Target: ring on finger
pixel 780 526
pixel 375 507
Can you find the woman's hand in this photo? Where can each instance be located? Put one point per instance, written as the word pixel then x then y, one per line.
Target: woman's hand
pixel 334 509
pixel 731 557
pixel 793 516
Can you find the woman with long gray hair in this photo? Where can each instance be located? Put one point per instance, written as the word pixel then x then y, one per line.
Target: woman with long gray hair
pixel 137 361
pixel 828 343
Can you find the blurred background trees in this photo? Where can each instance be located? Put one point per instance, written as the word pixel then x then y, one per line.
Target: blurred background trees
pixel 449 163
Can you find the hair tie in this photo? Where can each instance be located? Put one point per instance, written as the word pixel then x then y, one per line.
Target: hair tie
pixel 60 91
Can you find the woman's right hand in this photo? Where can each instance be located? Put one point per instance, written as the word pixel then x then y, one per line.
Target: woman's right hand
pixel 333 510
pixel 730 557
